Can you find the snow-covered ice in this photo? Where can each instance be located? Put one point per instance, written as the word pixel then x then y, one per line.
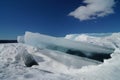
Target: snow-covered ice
pixel 52 64
pixel 103 39
pixel 56 65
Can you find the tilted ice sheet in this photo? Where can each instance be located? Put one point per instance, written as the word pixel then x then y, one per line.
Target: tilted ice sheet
pixel 61 44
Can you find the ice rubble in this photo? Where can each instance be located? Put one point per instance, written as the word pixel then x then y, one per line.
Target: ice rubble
pixel 51 68
pixel 53 65
pixel 61 44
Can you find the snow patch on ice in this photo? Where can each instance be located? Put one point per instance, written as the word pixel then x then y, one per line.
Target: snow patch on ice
pixel 107 40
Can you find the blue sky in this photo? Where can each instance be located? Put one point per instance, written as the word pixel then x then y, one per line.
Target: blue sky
pixel 51 17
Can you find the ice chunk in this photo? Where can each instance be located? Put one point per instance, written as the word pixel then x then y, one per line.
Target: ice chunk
pixel 70 61
pixel 28 59
pixel 61 44
pixel 20 39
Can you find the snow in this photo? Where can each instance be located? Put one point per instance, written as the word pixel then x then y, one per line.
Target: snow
pixel 56 65
pixel 103 39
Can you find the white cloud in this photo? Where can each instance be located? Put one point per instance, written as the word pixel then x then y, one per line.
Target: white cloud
pixel 94 9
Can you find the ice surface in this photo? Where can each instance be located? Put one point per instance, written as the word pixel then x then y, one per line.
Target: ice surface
pixel 61 44
pixel 54 65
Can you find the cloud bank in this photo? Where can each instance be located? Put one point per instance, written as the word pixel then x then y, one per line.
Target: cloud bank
pixel 94 9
